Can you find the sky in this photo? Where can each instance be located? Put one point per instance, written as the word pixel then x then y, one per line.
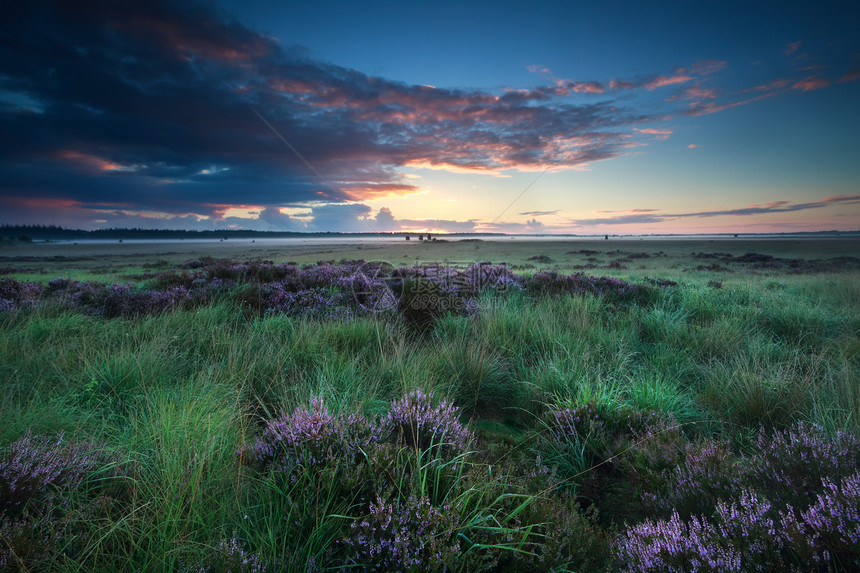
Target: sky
pixel 604 117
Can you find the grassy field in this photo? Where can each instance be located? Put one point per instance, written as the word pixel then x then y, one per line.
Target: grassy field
pixel 120 261
pixel 705 406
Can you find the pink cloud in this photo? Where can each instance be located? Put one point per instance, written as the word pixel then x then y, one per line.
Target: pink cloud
pixel 662 81
pixel 632 211
pixel 850 76
pixel 706 67
pixel 772 85
pixel 654 131
pixel 700 108
pixel 660 134
pixel 792 48
pixel 585 87
pixel 811 83
pixel 693 146
pixel 621 85
pixel 698 92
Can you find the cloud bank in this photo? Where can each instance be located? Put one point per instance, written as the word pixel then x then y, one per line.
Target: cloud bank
pixel 172 113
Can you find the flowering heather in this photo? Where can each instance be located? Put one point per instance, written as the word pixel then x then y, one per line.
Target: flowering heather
pixel 306 302
pixel 675 546
pixel 305 436
pixel 580 421
pixel 415 421
pixel 323 275
pixel 324 290
pixel 369 294
pixel 404 536
pixel 790 465
pixel 743 537
pixel 749 526
pixel 484 276
pixel 35 466
pixel 829 530
pixel 550 282
pixel 747 534
pixel 709 473
pixel 311 437
pixel 15 294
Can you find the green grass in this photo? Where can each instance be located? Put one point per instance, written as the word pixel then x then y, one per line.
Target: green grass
pixel 178 394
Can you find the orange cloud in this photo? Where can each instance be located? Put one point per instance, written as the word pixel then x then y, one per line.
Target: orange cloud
pixel 90 161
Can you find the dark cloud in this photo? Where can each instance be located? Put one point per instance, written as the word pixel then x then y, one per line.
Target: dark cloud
pixel 277 221
pixel 155 106
pixel 539 213
pixel 654 216
pixel 347 218
pixel 117 110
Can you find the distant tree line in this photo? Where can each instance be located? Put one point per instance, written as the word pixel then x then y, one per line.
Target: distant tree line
pixel 54 232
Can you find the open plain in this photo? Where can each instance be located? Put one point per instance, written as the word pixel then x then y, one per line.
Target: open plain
pixel 474 405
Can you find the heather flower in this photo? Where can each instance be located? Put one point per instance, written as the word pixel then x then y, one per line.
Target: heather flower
pixel 675 546
pixel 485 276
pixel 550 282
pixel 829 530
pixel 311 438
pixel 748 525
pixel 34 467
pixel 415 421
pixel 710 473
pixel 303 437
pixel 791 464
pixel 18 294
pixel 404 536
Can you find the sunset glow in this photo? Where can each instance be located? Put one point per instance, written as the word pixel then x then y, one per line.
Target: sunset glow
pixel 589 120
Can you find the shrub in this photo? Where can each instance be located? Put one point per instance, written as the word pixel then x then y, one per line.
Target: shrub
pixel 744 537
pixel 423 300
pixel 37 521
pixel 309 438
pixel 414 421
pixel 710 473
pixel 404 536
pixel 34 467
pixel 828 532
pixel 618 290
pixel 15 294
pixel 790 465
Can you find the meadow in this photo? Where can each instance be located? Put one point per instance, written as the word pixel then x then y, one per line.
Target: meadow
pixel 476 405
